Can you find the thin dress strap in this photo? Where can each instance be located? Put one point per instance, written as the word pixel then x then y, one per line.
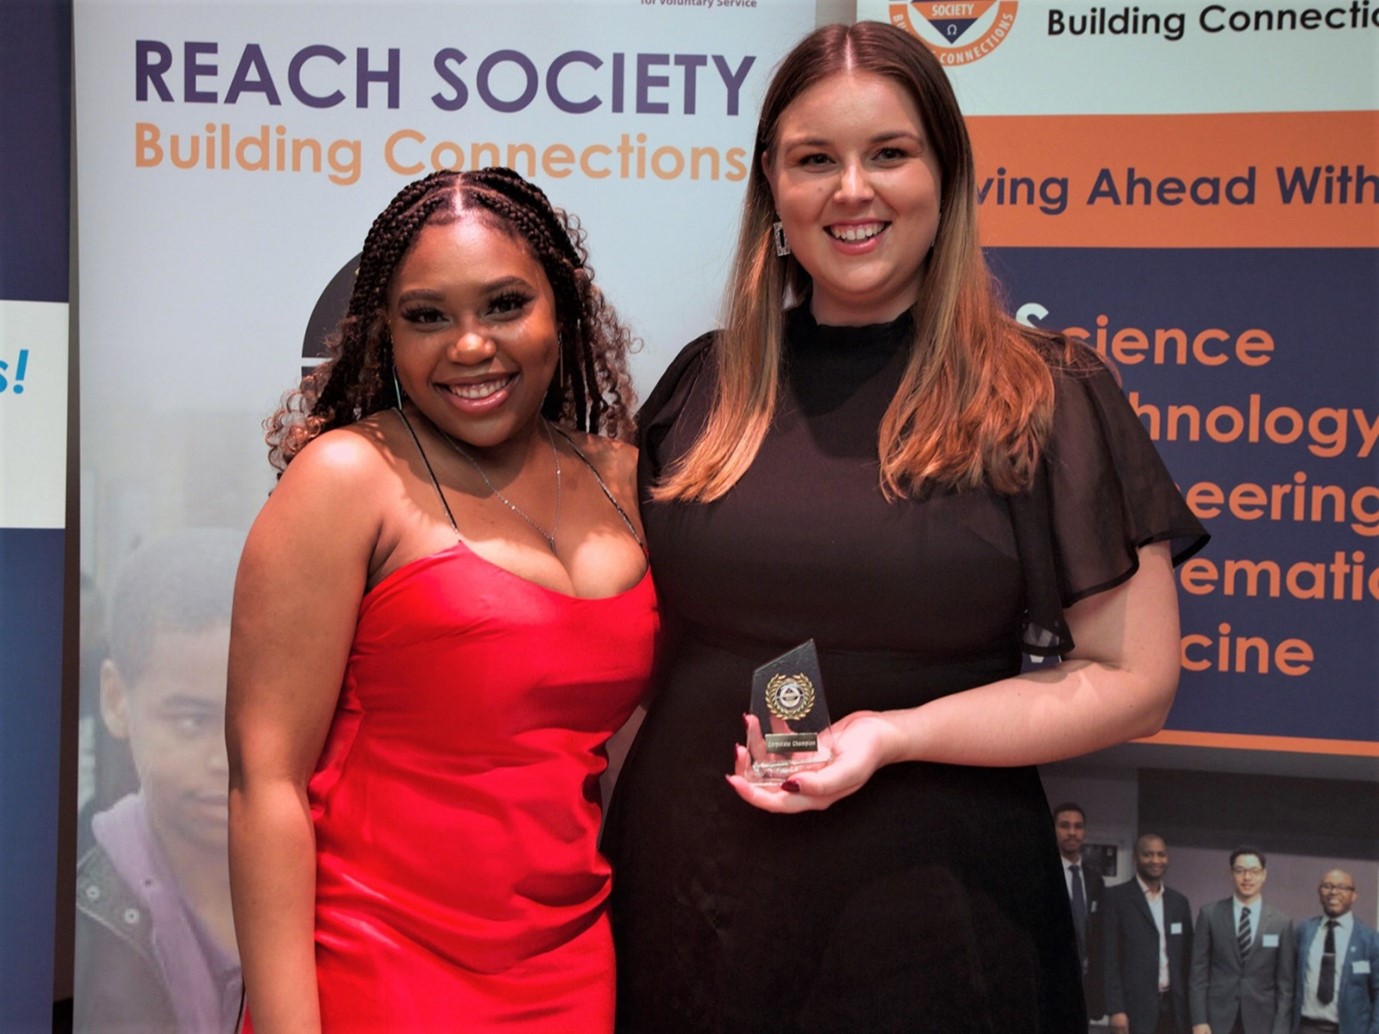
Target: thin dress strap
pixel 427 463
pixel 435 483
pixel 602 485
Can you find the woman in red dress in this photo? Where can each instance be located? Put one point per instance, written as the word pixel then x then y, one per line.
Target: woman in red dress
pixel 442 613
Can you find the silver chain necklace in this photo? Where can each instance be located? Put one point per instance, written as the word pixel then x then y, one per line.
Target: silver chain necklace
pixel 555 455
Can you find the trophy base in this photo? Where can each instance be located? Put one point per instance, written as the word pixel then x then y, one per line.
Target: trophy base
pixel 772 771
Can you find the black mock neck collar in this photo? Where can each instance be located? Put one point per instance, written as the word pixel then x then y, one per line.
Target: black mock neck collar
pixel 804 331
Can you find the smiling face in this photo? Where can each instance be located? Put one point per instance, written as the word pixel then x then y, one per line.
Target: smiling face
pixel 857 189
pixel 1248 874
pixel 1151 859
pixel 1337 893
pixel 473 324
pixel 1070 828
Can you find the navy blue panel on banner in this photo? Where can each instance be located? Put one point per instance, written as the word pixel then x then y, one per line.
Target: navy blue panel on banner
pixel 31 563
pixel 35 148
pixel 1254 371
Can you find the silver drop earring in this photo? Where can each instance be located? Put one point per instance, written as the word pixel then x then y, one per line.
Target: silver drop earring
pixel 778 239
pixel 397 388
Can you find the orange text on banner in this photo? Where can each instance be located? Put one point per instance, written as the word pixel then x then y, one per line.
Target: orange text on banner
pixel 1286 180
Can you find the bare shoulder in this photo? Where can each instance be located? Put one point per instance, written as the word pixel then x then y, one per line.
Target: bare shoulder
pixel 353 462
pixel 343 454
pixel 345 480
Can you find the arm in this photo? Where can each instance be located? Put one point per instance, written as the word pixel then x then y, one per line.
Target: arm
pixel 1301 944
pixel 1110 954
pixel 1094 981
pixel 1371 953
pixel 297 596
pixel 1201 973
pixel 1284 977
pixel 1184 973
pixel 1117 684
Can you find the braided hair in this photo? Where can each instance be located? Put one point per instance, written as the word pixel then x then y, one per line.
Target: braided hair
pixel 592 389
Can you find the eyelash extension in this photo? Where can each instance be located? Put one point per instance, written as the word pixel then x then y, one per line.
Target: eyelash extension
pixel 511 299
pixel 507 301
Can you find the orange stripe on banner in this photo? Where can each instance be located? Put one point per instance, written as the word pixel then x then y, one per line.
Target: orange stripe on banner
pixel 1286 744
pixel 1288 180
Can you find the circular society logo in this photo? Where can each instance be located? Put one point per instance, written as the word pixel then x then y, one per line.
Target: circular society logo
pixel 957 31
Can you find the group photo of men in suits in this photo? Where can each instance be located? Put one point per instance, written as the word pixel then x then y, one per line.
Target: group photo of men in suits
pixel 1242 967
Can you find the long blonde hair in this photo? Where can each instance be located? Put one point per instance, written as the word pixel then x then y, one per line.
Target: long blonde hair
pixel 976 399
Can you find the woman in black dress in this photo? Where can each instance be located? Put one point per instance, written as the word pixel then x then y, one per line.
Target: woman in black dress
pixel 872 454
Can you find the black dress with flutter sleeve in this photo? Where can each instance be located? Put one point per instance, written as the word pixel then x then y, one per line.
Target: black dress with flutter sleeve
pixel 932 899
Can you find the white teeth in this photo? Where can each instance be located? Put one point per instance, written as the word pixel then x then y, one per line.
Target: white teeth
pixel 856 233
pixel 479 391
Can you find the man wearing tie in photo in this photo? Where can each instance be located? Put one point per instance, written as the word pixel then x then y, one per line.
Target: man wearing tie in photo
pixel 1242 958
pixel 1147 947
pixel 1085 887
pixel 1338 966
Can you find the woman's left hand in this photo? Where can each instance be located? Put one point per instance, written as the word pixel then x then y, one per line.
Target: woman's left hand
pixel 863 742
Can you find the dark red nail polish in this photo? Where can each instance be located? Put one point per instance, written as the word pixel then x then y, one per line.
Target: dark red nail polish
pixel 790 786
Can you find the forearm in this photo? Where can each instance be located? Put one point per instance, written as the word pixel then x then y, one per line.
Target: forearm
pixel 1110 983
pixel 1041 716
pixel 1198 974
pixel 1283 1005
pixel 273 881
pixel 1117 685
pixel 1374 991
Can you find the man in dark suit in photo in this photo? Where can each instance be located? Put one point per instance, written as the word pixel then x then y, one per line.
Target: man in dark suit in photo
pixel 1242 958
pixel 1147 946
pixel 1085 888
pixel 1338 966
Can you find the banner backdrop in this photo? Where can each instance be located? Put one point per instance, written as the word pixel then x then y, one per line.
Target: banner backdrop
pixel 1194 189
pixel 35 66
pixel 232 158
pixel 1156 179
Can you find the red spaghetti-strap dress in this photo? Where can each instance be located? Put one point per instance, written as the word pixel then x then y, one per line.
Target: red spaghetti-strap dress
pixel 456 803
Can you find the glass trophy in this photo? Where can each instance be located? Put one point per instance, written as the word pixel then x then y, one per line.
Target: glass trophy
pixel 788 726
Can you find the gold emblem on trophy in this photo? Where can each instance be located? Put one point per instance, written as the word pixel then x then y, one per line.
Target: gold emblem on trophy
pixel 789 697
